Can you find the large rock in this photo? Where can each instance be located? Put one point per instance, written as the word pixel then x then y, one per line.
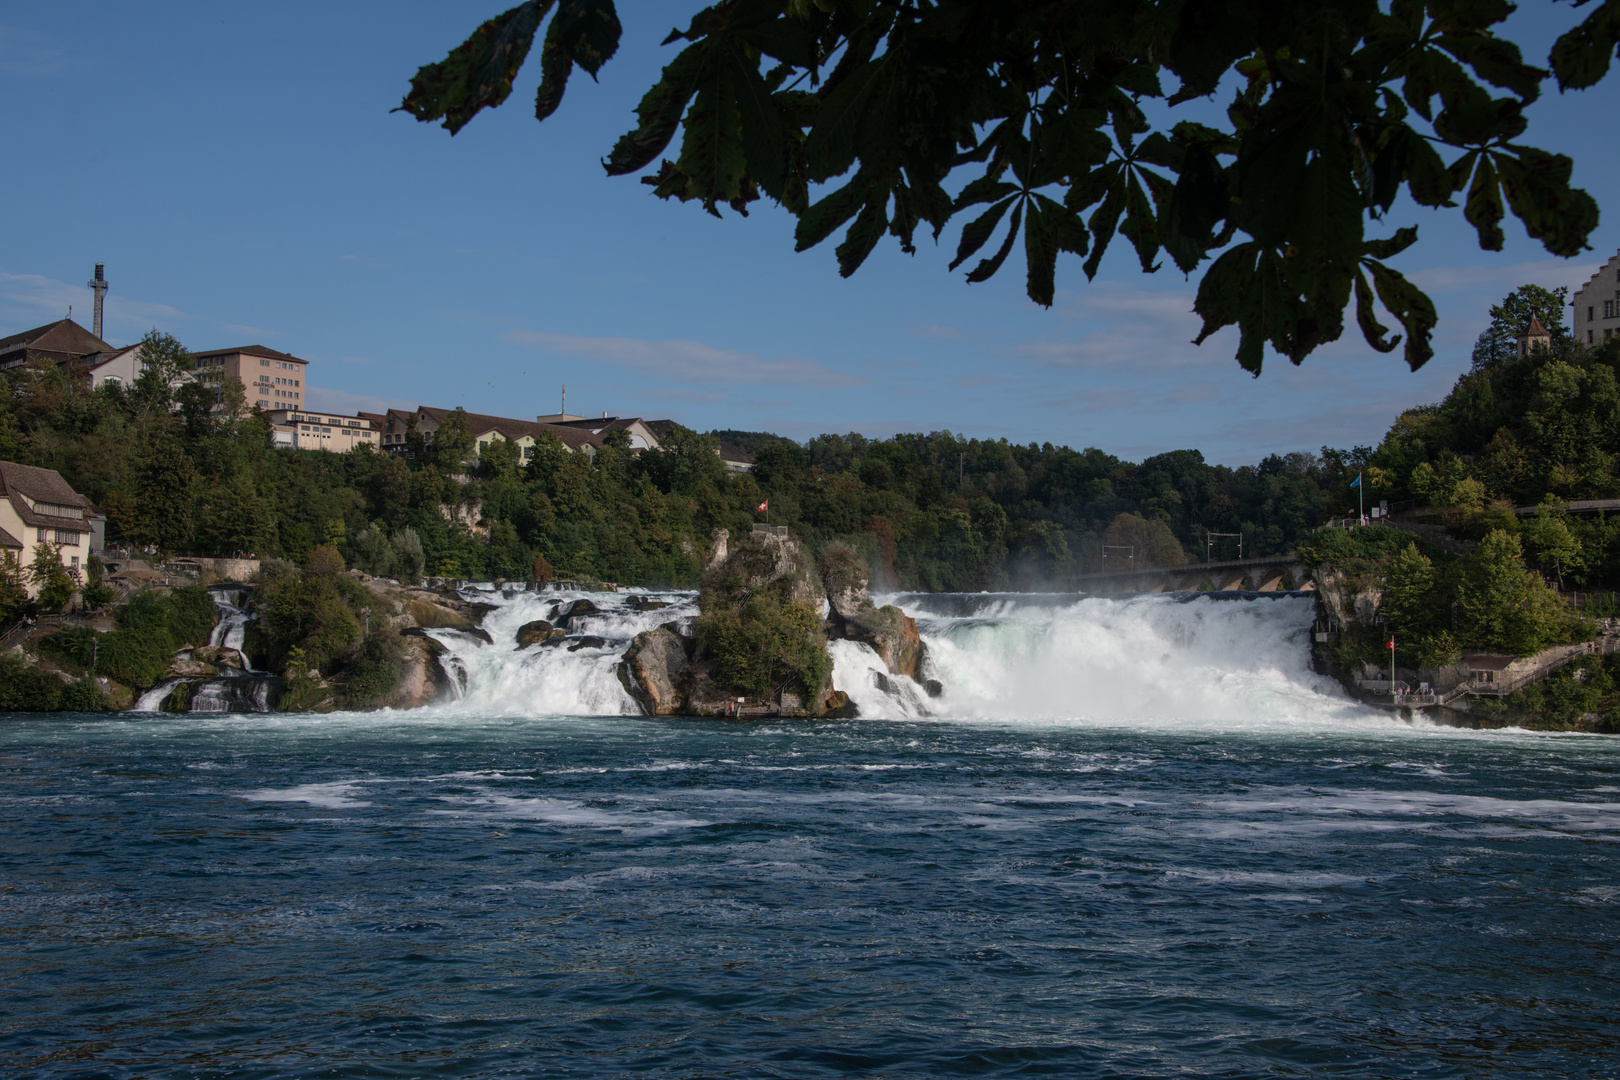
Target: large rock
pixel 1350 598
pixel 532 632
pixel 717 549
pixel 191 669
pixel 846 577
pixel 893 635
pixel 569 612
pixel 851 614
pixel 654 671
pixel 424 680
pixel 218 654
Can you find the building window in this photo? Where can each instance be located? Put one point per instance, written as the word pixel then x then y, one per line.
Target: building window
pixel 75 562
pixel 264 363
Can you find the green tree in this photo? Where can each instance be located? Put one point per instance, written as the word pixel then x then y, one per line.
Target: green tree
pixel 1507 608
pixel 165 480
pixel 1028 116
pixel 165 367
pixel 52 579
pixel 1551 544
pixel 1151 543
pixel 1500 341
pixel 13 587
pixel 372 551
pixel 409 562
pixel 452 446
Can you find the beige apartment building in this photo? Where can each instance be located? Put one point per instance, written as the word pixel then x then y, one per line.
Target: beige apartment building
pixel 323 431
pixel 38 507
pixel 274 380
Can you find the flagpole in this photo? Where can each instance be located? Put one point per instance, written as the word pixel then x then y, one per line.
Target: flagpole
pixel 1361 503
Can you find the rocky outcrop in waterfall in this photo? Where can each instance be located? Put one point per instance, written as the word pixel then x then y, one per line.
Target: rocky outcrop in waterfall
pixel 757 647
pixel 424 680
pixel 765 602
pixel 657 671
pixel 853 616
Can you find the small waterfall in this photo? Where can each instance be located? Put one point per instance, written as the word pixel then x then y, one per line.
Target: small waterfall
pixel 233 617
pixel 153 699
pixel 248 692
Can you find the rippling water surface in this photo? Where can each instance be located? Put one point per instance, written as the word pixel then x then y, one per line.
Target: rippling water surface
pixel 415 896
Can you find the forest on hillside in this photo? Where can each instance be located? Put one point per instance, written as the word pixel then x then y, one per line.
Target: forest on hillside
pixel 932 511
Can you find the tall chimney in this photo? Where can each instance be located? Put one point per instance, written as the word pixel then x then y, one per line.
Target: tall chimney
pixel 99 284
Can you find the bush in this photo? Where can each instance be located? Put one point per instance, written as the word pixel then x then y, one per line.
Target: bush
pixel 188 615
pixel 308 613
pixel 82 696
pixel 373 670
pixel 27 689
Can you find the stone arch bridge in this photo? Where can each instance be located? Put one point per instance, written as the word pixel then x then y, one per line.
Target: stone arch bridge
pixel 1266 574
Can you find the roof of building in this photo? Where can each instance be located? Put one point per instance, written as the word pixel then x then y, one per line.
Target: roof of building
pixel 9 541
pixel 97 359
pixel 1535 329
pixel 1600 271
pixel 482 424
pixel 1488 661
pixel 253 350
pixel 63 336
pixel 733 452
pixel 41 485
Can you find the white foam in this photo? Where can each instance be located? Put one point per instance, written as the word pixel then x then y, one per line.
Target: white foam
pixel 337 795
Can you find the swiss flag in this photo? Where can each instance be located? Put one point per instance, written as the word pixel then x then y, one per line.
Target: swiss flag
pixel 764 506
pixel 1391 643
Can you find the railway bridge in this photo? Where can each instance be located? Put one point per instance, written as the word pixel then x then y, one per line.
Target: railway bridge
pixel 1265 574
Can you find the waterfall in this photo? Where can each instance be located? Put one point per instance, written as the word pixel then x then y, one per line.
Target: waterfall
pixel 576 675
pixel 231 600
pixel 998 656
pixel 248 692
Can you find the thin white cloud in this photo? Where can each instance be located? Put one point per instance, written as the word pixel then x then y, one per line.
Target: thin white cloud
pixel 1491 278
pixel 52 298
pixel 323 399
pixel 689 361
pixel 943 333
pixel 251 331
pixel 358 360
pixel 29 52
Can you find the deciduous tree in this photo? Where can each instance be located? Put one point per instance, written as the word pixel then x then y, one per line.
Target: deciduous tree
pixel 1066 125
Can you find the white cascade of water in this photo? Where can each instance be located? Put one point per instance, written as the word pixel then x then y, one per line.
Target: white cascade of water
pixel 572 676
pixel 231 630
pixel 1173 658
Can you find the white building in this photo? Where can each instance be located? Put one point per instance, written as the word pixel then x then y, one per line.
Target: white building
pixel 1597 305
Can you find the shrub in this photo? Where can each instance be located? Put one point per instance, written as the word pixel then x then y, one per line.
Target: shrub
pixel 373 670
pixel 27 689
pixel 83 695
pixel 188 615
pixel 308 613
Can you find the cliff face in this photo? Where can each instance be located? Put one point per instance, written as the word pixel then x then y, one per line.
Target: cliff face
pixel 1352 599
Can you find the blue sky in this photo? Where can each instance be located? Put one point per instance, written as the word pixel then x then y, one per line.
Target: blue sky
pixel 238 170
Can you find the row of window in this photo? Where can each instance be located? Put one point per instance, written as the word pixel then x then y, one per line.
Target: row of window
pixel 313 428
pixel 66 539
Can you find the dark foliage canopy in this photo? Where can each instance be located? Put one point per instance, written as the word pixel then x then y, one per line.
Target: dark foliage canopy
pixel 1055 120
